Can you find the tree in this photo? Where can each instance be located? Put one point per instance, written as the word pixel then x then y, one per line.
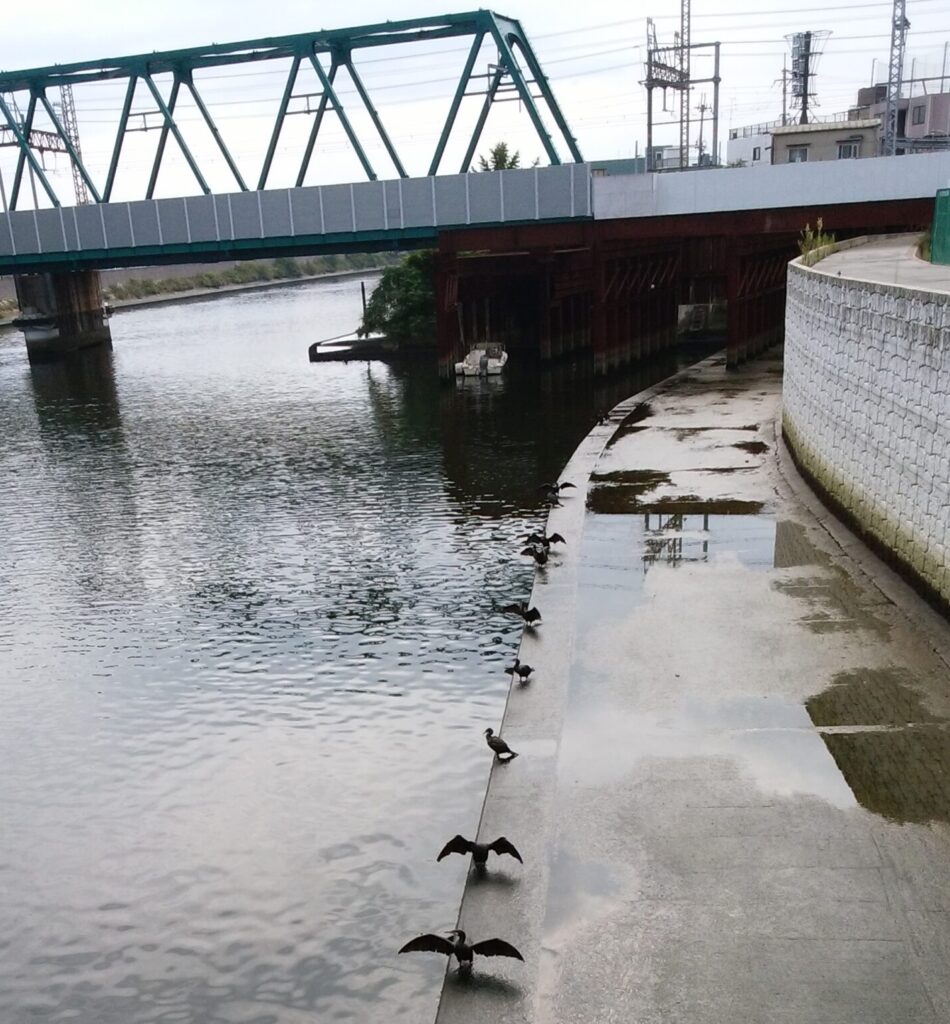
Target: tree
pixel 500 159
pixel 402 305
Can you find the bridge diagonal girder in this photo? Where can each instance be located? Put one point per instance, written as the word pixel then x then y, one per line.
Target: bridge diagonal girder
pixel 341 114
pixel 505 42
pixel 374 116
pixel 176 132
pixel 516 59
pixel 162 140
pixel 315 127
pixel 25 152
pixel 74 156
pixel 279 120
pixel 215 131
pixel 119 138
pixel 456 101
pixel 482 118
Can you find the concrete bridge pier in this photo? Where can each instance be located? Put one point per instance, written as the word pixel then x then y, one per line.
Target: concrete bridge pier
pixel 61 312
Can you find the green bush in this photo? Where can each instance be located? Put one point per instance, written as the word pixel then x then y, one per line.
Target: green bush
pixel 402 305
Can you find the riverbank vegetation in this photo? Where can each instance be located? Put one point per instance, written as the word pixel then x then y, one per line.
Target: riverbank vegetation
pixel 810 243
pixel 284 268
pixel 402 305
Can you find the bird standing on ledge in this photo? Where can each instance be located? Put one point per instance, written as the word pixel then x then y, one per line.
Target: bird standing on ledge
pixel 457 946
pixel 521 671
pixel 479 851
pixel 545 542
pixel 553 491
pixel 499 746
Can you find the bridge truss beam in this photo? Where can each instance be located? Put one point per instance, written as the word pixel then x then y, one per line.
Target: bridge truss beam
pixel 517 70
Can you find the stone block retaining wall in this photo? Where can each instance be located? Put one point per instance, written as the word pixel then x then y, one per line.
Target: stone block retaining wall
pixel 867 411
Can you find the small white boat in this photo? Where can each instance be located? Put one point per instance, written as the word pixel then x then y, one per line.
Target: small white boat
pixel 485 359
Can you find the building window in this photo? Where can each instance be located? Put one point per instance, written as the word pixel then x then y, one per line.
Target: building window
pixel 918 114
pixel 797 154
pixel 849 150
pixel 756 152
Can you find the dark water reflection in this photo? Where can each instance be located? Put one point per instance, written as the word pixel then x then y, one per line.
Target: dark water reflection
pixel 247 650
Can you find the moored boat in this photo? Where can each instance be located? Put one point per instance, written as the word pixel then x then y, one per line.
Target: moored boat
pixel 485 359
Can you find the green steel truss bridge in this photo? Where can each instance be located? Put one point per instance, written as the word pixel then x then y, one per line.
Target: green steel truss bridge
pixel 517 74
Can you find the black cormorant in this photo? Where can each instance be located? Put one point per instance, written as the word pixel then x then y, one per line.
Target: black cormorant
pixel 479 851
pixel 531 616
pixel 555 488
pixel 538 553
pixel 456 946
pixel 522 671
pixel 544 541
pixel 499 746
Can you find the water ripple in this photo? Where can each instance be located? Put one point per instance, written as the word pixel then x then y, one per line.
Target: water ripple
pixel 247 647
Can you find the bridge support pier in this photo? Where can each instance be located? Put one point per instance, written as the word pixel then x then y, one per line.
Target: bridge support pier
pixel 755 297
pixel 61 312
pixel 633 305
pixel 448 312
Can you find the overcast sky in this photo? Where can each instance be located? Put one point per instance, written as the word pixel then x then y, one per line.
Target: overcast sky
pixel 592 52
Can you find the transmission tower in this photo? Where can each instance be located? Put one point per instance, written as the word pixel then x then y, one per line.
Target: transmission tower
pixel 684 78
pixel 668 67
pixel 71 128
pixel 899 27
pixel 806 49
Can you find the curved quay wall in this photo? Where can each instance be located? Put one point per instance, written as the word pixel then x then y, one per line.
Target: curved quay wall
pixel 866 412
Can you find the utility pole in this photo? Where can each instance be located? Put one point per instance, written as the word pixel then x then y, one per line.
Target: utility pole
pixel 899 27
pixel 784 81
pixel 702 108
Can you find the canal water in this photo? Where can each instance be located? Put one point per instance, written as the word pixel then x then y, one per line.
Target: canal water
pixel 248 646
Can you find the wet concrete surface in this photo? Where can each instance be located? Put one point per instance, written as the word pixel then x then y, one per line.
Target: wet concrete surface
pixel 889 260
pixel 733 792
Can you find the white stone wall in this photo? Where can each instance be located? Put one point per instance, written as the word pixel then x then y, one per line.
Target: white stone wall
pixel 867 409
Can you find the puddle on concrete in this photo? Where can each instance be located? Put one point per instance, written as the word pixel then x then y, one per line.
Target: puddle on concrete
pixel 901 774
pixel 771 741
pixel 578 891
pixel 793 548
pixel 693 505
pixel 628 425
pixel 869 696
pixel 836 604
pixel 574 887
pixel 645 479
pixel 752 447
pixel 678 539
pixel 623 493
pixel 901 771
pixel 682 433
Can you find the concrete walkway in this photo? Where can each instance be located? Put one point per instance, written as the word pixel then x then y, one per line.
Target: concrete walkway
pixel 889 260
pixel 733 792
